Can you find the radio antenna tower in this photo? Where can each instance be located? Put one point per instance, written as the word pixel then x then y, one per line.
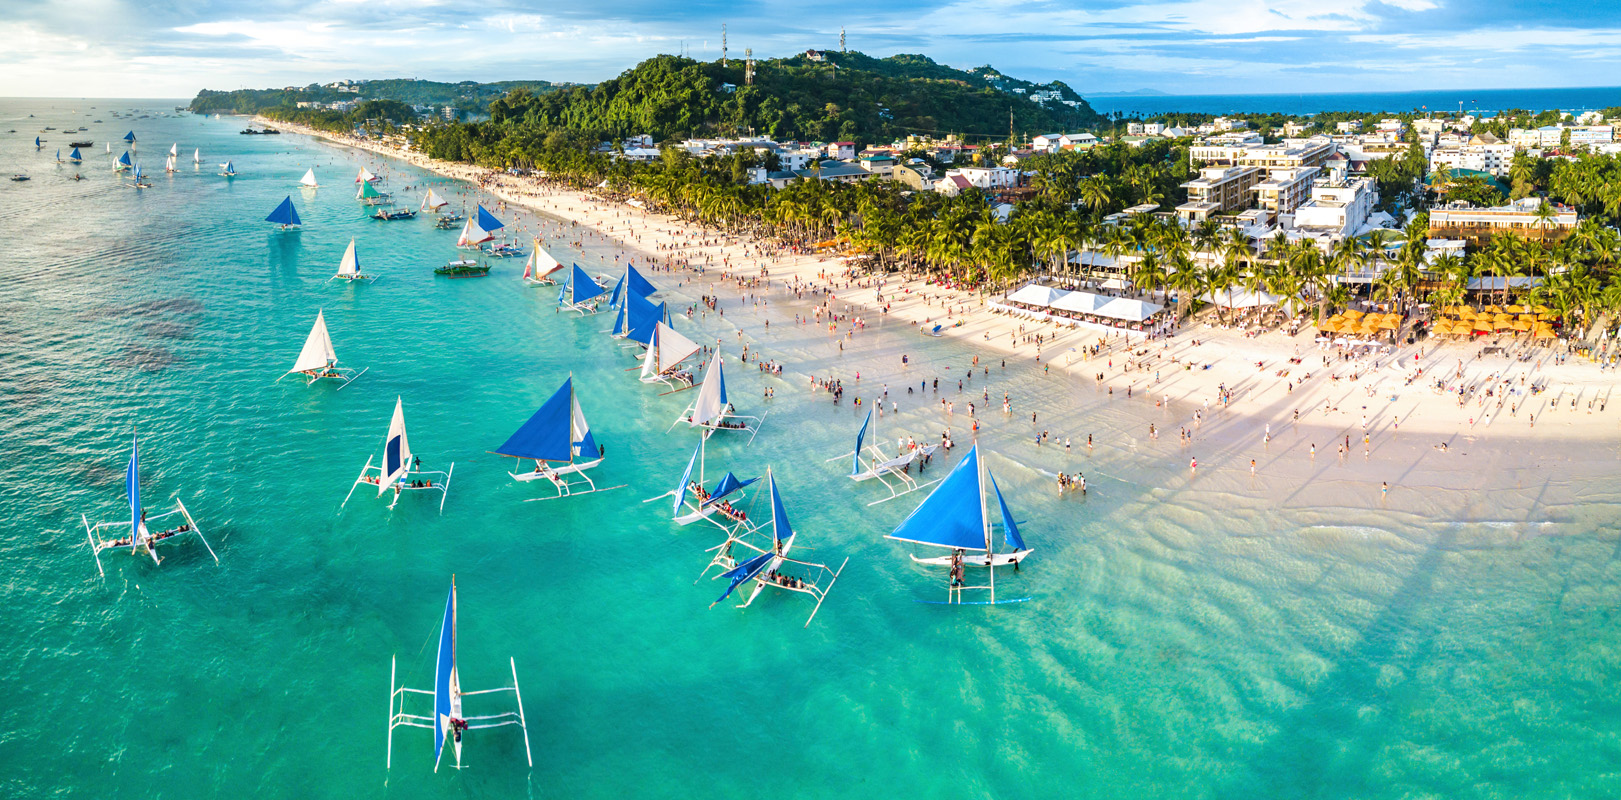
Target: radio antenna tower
pixel 748 69
pixel 723 44
pixel 841 40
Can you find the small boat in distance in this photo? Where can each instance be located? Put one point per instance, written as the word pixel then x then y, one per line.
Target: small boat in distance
pixel 369 196
pixel 463 268
pixel 388 215
pixel 197 157
pixel 447 720
pixel 227 170
pixel 308 181
pixel 19 177
pixel 448 221
pixel 80 144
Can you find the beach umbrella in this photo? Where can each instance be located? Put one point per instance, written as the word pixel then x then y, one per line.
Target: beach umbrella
pixel 1483 325
pixel 1544 333
pixel 1520 325
pixel 1514 309
pixel 1389 323
pixel 1351 313
pixel 1466 312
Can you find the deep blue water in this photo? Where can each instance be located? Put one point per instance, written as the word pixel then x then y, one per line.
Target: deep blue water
pixel 1473 100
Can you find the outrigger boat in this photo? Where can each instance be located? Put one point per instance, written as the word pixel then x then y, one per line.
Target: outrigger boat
pixel 85 143
pixel 349 267
pixel 433 202
pixel 504 249
pixel 75 156
pixel 124 162
pixel 478 230
pixel 389 215
pixel 130 138
pixel 953 516
pixel 713 411
pixel 447 721
pixel 447 221
pixel 138 179
pixel 137 535
pixel 895 473
pixel 318 360
pixel 227 170
pixel 39 144
pixel 197 157
pixel 366 176
pixel 370 196
pixel 285 215
pixel 766 568
pixel 693 502
pixel 662 362
pixel 463 268
pixel 168 165
pixel 396 471
pixel 540 267
pixel 558 439
pixel 582 294
pixel 308 181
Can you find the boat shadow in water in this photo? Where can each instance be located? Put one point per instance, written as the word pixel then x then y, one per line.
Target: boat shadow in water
pixel 1328 746
pixel 284 252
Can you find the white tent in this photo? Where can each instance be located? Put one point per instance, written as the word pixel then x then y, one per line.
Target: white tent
pixel 1128 309
pixel 1080 303
pixel 1236 297
pixel 1037 295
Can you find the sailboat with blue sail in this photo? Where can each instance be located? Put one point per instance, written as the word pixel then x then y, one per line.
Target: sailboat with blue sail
pixel 954 516
pixel 139 178
pixel 558 439
pixel 228 170
pixel 694 502
pixel 285 215
pixel 869 462
pixel 637 319
pixel 713 410
pixel 449 720
pixel 39 144
pixel 75 156
pixel 349 267
pixel 124 162
pixel 397 470
pixel 129 138
pixel 769 567
pixel 135 534
pixel 582 294
pixel 631 283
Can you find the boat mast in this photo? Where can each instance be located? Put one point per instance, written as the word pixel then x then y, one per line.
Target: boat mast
pixel 990 557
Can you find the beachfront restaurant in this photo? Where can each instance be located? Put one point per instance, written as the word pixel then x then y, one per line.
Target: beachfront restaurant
pixel 1081 309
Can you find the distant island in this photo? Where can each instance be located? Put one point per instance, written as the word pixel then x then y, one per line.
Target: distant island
pixel 1132 93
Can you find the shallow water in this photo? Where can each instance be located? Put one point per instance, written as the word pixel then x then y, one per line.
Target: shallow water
pixel 1284 635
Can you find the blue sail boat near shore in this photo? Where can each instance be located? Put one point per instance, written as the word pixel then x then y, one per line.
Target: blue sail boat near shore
pixel 285 215
pixel 953 516
pixel 558 439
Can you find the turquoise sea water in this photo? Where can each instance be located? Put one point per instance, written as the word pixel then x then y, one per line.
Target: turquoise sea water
pixel 1218 636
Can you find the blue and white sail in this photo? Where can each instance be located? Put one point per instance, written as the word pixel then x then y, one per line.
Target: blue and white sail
pixel 396 450
pixel 132 489
pixel 285 214
pixel 556 432
pixel 581 288
pixel 617 298
pixel 227 169
pixel 686 477
pixel 640 317
pixel 782 538
pixel 349 267
pixel 447 688
pixel 75 156
pixel 124 161
pixel 953 515
pixel 1010 529
pixel 712 402
pixel 726 486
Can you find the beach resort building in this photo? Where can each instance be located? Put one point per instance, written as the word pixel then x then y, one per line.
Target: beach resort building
pixel 1218 190
pixel 1285 189
pixel 989 178
pixel 1339 207
pixel 1478 225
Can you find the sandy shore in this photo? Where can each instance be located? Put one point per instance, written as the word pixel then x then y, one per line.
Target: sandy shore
pixel 1447 391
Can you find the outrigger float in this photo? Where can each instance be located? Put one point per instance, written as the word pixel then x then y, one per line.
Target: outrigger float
pixel 558 439
pixel 894 472
pixel 448 721
pixel 396 470
pixel 768 568
pixel 953 516
pixel 138 536
pixel 318 361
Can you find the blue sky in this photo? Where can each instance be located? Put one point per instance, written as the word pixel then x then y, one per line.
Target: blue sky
pixel 171 49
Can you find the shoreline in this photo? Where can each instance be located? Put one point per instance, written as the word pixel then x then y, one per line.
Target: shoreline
pixel 1272 380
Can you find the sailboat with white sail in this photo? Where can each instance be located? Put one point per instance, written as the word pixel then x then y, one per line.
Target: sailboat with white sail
pixel 479 228
pixel 349 267
pixel 449 721
pixel 318 361
pixel 197 157
pixel 694 502
pixel 558 439
pixel 135 534
pixel 770 566
pixel 954 517
pixel 869 462
pixel 397 470
pixel 713 410
pixel 169 164
pixel 432 201
pixel 228 170
pixel 308 181
pixel 540 267
pixel 665 354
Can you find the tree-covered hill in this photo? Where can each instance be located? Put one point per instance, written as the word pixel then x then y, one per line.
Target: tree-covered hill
pixel 469 95
pixel 845 96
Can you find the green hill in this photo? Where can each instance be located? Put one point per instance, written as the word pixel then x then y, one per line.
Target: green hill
pixel 842 96
pixel 469 95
